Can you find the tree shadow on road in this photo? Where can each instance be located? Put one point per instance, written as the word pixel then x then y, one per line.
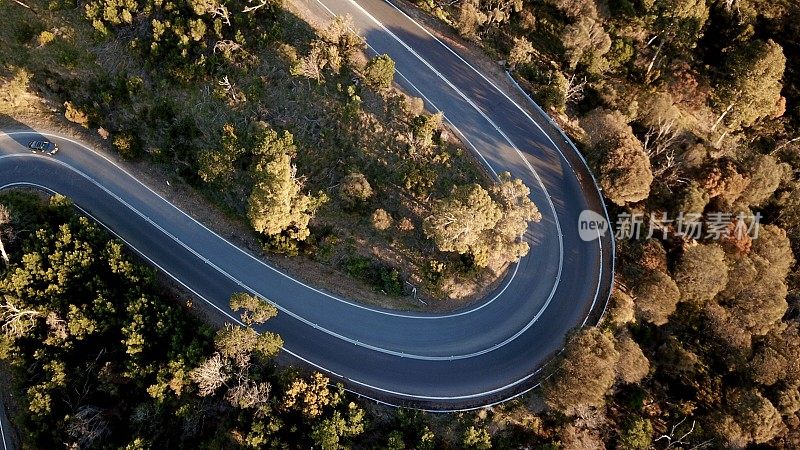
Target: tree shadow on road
pixel 22 133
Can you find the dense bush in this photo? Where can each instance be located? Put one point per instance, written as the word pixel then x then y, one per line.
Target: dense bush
pixel 687 110
pixel 381 277
pixel 103 358
pixel 379 72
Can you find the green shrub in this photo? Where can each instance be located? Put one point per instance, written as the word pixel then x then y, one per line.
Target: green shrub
pixel 637 435
pixel 358 267
pixel 621 53
pixel 379 276
pixel 390 281
pixel 379 72
pixel 434 271
pixel 419 181
pixel 477 438
pixel 127 145
pixel 281 244
pixel 46 37
pixel 395 441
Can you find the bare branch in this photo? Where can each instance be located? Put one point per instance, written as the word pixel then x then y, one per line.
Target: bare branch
pixel 21 4
pixel 16 321
pixel 680 441
pixel 574 90
pixel 221 11
pixel 235 95
pixel 659 144
pixel 785 144
pixel 253 8
pixel 88 426
pixel 226 46
pixel 653 61
pixel 722 116
pixel 210 376
pixel 5 219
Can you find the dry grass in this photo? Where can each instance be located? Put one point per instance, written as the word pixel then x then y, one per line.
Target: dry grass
pixel 15 95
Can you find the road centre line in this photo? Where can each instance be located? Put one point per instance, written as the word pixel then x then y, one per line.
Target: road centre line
pixel 237 321
pixel 255 292
pixel 180 211
pixel 521 109
pixel 379 311
pixel 519 153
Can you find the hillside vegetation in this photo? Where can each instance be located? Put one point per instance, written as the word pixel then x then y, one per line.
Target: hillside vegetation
pixel 102 358
pixel 685 109
pixel 688 112
pixel 288 129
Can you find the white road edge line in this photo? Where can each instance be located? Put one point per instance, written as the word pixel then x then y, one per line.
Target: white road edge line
pixel 527 163
pixel 466 99
pixel 521 109
pixel 2 430
pixel 238 322
pixel 252 290
pixel 180 211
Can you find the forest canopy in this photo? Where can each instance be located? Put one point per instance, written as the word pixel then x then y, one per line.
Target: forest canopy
pixel 688 112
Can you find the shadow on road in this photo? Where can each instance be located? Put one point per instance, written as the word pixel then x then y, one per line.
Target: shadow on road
pixel 9 124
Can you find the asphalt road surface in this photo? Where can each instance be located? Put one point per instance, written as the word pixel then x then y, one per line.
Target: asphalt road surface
pixel 6 439
pixel 474 357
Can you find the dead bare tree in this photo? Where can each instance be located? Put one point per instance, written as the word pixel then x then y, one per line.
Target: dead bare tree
pixel 676 441
pixel 221 11
pixel 88 426
pixel 312 65
pixel 144 414
pixel 194 421
pixel 210 375
pixel 659 144
pixel 248 394
pixel 16 321
pixel 660 137
pixel 261 4
pixel 574 89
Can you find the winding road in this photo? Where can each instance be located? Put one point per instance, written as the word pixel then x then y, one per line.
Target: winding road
pixel 474 357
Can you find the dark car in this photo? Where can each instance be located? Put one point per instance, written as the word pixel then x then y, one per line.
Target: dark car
pixel 43 146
